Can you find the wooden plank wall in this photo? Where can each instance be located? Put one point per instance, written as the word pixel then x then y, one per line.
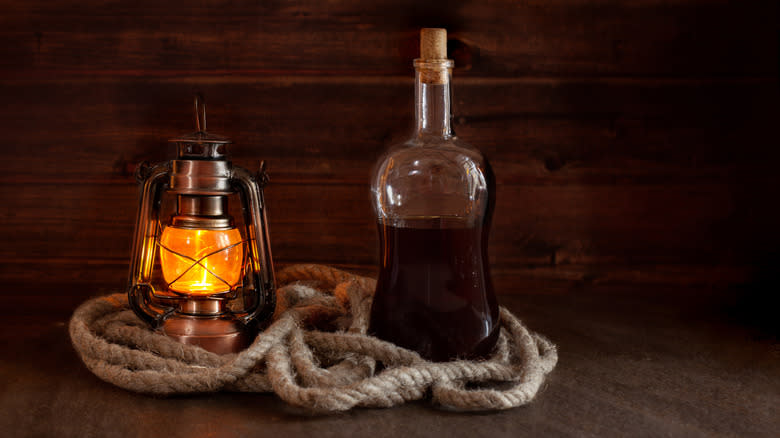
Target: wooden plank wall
pixel 632 141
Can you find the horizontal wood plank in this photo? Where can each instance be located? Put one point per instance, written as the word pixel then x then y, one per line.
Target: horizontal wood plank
pixel 504 38
pixel 534 131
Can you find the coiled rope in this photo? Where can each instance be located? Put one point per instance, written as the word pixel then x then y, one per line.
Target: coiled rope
pixel 315 354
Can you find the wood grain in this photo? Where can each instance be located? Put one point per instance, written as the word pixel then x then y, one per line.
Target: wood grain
pixel 502 38
pixel 632 363
pixel 534 131
pixel 634 144
pixel 631 142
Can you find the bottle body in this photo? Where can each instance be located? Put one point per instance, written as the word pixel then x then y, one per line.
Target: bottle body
pixel 434 199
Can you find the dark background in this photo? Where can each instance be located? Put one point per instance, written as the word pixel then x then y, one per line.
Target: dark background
pixel 635 146
pixel 633 142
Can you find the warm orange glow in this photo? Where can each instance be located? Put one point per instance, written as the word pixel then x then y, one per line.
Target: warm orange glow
pixel 226 264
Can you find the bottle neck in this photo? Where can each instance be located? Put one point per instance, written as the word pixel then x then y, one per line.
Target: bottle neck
pixel 433 99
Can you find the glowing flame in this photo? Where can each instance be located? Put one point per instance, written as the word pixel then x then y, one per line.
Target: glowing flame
pixel 201 262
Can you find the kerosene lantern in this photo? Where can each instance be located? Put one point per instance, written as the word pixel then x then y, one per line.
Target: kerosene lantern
pixel 217 279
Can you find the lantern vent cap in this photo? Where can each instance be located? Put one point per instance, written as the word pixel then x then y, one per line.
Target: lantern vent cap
pixel 201 145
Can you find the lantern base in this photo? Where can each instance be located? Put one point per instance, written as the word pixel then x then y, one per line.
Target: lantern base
pixel 218 334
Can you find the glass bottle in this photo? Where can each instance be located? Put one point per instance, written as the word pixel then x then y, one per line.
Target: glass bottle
pixel 433 196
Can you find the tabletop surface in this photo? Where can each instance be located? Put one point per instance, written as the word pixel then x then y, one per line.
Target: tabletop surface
pixel 632 362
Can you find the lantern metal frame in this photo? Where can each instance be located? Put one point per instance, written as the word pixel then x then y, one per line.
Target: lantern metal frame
pixel 202 178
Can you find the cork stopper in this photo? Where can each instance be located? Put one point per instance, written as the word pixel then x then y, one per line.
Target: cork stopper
pixel 433 43
pixel 433 64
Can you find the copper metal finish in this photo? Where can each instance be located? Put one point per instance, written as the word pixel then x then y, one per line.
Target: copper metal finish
pixel 202 213
pixel 195 177
pixel 219 335
pixel 202 307
pixel 202 179
pixel 202 205
pixel 208 324
pixel 202 223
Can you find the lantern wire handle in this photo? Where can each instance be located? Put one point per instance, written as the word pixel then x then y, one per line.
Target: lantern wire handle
pixel 200 113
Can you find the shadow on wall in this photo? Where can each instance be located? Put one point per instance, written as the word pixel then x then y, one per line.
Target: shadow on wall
pixel 756 302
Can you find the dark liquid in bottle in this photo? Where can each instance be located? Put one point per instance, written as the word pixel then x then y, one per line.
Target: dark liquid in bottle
pixel 434 293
